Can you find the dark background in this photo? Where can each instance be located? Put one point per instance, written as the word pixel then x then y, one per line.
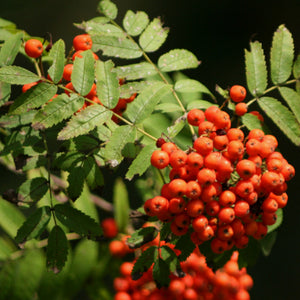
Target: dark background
pixel 217 32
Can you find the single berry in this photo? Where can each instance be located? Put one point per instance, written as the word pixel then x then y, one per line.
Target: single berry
pixel 237 93
pixel 34 48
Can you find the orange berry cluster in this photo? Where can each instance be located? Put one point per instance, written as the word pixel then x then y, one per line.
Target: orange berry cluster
pixel 200 282
pixel 34 48
pixel 227 187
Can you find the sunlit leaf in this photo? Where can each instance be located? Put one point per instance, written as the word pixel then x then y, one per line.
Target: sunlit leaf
pixel 115 46
pixel 292 98
pixel 120 137
pixel 108 9
pixel 282 117
pixel 282 55
pixel 177 59
pixel 153 36
pixel 107 84
pixel 17 75
pixel 256 70
pixel 85 121
pixel 135 23
pixel 82 76
pixel 138 110
pixel 10 49
pixel 57 53
pixel 59 109
pixel 33 98
pixel 135 71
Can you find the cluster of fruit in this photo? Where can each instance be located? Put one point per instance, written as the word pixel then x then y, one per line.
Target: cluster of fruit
pixel 199 282
pixel 227 187
pixel 34 49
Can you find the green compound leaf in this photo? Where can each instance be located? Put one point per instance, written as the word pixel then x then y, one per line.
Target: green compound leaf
pixel 57 249
pixel 296 67
pixel 121 204
pixel 174 130
pixel 135 23
pixel 61 108
pixel 144 262
pixel 17 75
pixel 256 70
pixel 191 86
pixel 107 84
pixel 161 273
pixel 292 98
pixel 33 189
pixel 5 91
pixel 13 121
pixel 82 76
pixel 186 246
pixel 116 46
pixel 77 221
pixel 94 177
pixel 85 121
pixel 136 71
pixel 168 107
pixel 33 98
pixel 81 269
pixel 251 121
pixel 267 243
pixel 10 49
pixel 92 24
pixel 35 162
pixel 76 181
pixel 282 117
pixel 200 104
pixel 127 89
pixel 108 9
pixel 177 59
pixel 278 222
pixel 142 107
pixel 11 218
pixel 141 163
pixel 57 53
pixel 141 237
pixel 282 55
pixel 154 36
pixel 119 138
pixel 34 226
pixel 27 273
pixel 169 256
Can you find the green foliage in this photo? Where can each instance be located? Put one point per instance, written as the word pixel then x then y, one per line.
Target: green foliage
pixel 34 225
pixel 57 249
pixel 121 205
pixel 82 76
pixel 17 75
pixel 77 221
pixel 76 144
pixel 57 53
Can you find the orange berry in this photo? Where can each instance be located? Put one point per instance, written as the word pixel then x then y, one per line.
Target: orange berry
pixel 195 117
pixel 34 48
pixel 178 158
pixel 241 109
pixel 203 145
pixel 177 187
pixel 82 42
pixel 245 168
pixel 109 227
pixel 160 159
pixel 206 176
pixel 237 93
pixel 195 208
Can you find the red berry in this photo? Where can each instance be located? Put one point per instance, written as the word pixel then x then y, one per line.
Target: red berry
pixel 82 42
pixel 237 93
pixel 34 48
